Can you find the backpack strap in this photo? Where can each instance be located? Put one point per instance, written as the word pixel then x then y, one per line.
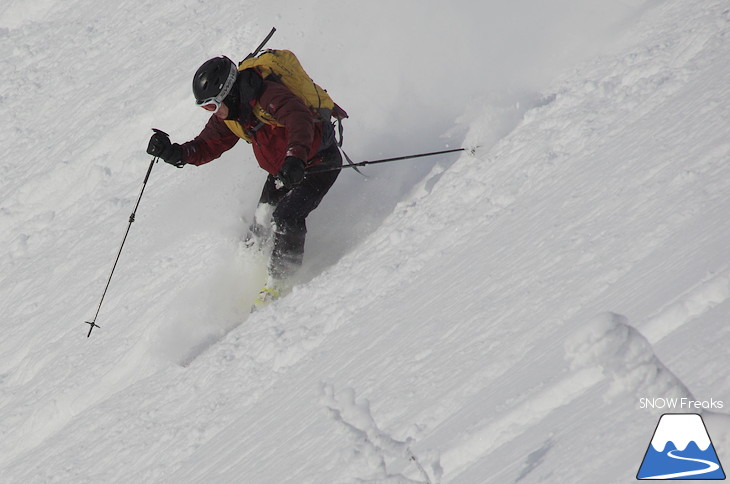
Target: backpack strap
pixel 252 131
pixel 340 114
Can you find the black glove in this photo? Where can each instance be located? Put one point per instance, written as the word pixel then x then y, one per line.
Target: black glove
pixel 292 173
pixel 161 147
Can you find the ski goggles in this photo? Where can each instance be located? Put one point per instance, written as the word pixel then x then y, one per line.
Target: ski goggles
pixel 213 104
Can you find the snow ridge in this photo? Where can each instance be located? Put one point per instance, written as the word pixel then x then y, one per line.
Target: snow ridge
pixel 625 356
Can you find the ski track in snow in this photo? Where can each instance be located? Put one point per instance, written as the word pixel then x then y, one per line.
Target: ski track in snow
pixel 714 290
pixel 442 334
pixel 505 427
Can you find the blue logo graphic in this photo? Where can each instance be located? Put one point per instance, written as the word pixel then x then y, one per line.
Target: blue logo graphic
pixel 681 449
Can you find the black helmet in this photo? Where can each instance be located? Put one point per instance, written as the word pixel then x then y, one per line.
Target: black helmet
pixel 214 80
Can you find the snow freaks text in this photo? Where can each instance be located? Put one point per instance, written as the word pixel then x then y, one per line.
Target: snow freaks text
pixel 677 403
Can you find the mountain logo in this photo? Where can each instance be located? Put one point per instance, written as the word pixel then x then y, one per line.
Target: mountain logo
pixel 680 449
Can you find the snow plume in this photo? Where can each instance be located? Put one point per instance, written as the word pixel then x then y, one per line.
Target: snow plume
pixel 211 307
pixel 373 446
pixel 428 69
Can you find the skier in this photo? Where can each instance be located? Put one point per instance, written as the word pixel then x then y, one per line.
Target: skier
pixel 290 141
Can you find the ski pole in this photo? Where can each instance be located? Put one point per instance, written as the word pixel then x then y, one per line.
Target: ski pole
pixel 261 45
pixel 385 160
pixel 92 324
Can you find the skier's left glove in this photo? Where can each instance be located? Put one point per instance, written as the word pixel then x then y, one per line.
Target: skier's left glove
pixel 292 173
pixel 257 235
pixel 161 147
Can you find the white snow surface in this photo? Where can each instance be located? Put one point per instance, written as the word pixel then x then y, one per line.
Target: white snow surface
pixel 493 317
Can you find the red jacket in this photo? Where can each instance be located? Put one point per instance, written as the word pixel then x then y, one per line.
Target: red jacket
pixel 300 133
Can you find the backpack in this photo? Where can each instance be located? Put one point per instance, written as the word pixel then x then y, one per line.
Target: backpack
pixel 284 67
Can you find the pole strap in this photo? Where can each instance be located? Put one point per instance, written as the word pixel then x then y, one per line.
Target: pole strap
pixel 350 163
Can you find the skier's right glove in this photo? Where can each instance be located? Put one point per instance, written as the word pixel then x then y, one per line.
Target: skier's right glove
pixel 161 147
pixel 292 173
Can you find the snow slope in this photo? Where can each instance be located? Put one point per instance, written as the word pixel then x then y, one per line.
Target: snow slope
pixel 495 317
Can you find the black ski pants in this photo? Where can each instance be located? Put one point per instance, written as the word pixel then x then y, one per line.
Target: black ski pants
pixel 292 206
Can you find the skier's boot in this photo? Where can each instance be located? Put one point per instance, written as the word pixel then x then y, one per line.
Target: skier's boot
pixel 273 289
